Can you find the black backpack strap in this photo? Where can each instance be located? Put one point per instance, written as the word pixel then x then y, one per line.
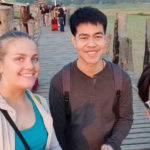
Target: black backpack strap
pixel 5 113
pixel 66 92
pixel 117 79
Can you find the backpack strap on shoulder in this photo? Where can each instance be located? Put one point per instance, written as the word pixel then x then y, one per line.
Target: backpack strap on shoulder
pixel 66 81
pixel 117 79
pixel 66 91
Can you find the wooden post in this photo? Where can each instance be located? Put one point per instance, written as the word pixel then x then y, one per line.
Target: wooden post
pixel 147 44
pixel 5 19
pixel 107 45
pixel 122 46
pixel 125 54
pixel 31 25
pixel 23 28
pixel 24 16
pixel 119 31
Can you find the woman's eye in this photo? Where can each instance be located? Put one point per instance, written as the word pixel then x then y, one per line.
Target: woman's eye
pixel 20 59
pixel 35 59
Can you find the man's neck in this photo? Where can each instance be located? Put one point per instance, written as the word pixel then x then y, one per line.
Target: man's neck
pixel 91 69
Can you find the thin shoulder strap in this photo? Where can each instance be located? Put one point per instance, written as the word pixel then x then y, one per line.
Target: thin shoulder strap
pixel 117 79
pixel 5 113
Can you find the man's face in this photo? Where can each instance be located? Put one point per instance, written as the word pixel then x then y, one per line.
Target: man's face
pixel 89 42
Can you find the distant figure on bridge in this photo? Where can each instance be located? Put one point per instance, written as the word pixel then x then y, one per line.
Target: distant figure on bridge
pixel 47 11
pixel 89 111
pixel 54 22
pixel 144 88
pixel 61 17
pixel 42 8
pixel 65 12
pixel 31 16
pixel 25 120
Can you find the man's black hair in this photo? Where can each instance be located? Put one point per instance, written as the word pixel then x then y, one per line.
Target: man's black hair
pixel 144 83
pixel 85 15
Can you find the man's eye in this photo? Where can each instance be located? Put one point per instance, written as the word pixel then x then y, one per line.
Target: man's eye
pixel 83 37
pixel 98 37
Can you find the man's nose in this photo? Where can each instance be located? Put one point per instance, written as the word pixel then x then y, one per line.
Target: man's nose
pixel 91 42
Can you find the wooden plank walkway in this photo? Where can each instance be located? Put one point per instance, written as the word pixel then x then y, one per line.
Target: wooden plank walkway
pixel 55 50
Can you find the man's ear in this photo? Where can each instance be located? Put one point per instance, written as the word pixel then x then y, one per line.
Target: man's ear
pixel 148 113
pixel 1 70
pixel 73 38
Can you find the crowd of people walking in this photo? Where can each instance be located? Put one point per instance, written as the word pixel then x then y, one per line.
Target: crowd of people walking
pixel 57 15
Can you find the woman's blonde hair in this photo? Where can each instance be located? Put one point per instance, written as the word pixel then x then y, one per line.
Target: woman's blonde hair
pixel 11 35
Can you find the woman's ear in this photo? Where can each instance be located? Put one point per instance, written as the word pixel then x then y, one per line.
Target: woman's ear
pixel 0 67
pixel 148 113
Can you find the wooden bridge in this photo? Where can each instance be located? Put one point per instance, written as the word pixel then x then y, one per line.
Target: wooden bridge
pixel 55 50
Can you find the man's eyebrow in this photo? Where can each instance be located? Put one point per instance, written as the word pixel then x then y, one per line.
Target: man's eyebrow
pixel 99 33
pixel 83 34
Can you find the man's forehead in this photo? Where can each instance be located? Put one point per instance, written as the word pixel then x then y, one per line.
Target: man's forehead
pixel 80 28
pixel 86 23
pixel 86 34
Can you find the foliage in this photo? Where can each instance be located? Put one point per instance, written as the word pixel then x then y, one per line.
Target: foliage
pixel 142 14
pixel 16 14
pixel 25 1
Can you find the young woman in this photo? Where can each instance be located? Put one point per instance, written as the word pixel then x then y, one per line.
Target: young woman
pixel 19 68
pixel 144 88
pixel 47 10
pixel 54 23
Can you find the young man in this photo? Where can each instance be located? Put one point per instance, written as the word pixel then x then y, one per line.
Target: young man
pixel 94 125
pixel 42 8
pixel 65 12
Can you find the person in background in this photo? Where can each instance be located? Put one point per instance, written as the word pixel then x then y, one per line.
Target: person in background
pixel 47 10
pixel 54 23
pixel 31 17
pixel 19 68
pixel 98 120
pixel 61 17
pixel 144 88
pixel 42 8
pixel 65 12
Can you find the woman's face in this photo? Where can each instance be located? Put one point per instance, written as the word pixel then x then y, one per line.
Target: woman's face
pixel 20 66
